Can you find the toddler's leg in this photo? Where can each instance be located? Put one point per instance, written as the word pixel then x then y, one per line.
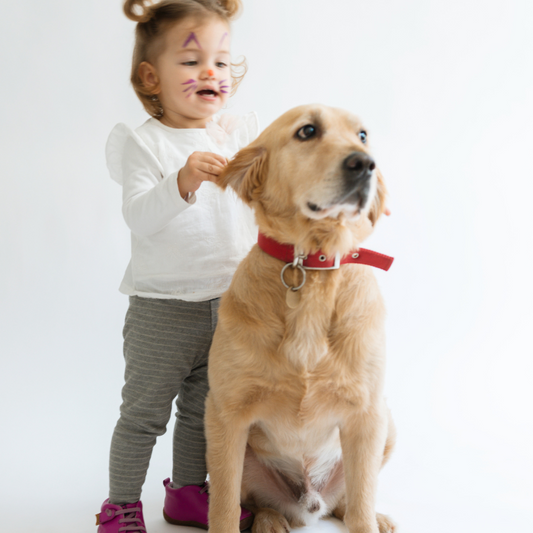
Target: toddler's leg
pixel 189 505
pixel 189 466
pixel 154 374
pixel 189 435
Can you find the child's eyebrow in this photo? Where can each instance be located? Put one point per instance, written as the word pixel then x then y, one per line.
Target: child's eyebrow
pixel 192 37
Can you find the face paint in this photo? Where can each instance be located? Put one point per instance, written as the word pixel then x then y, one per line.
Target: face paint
pixel 192 85
pixel 222 86
pixel 222 40
pixel 192 37
pixel 210 73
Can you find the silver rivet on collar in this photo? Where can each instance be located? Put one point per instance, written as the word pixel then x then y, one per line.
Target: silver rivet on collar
pixel 322 258
pixel 355 256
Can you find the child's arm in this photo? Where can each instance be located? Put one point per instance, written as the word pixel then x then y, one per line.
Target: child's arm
pixel 151 199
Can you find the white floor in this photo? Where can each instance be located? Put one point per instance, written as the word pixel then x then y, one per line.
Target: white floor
pixel 63 517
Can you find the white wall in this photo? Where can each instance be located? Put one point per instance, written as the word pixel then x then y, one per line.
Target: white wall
pixel 445 89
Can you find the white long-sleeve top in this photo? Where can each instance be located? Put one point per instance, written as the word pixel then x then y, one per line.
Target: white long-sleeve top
pixel 187 250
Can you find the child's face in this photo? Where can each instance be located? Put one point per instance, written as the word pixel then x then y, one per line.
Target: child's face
pixel 194 72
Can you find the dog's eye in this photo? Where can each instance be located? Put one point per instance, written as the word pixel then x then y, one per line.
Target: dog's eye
pixel 306 132
pixel 363 135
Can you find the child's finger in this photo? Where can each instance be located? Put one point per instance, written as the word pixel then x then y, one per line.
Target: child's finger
pixel 211 169
pixel 209 165
pixel 221 159
pixel 198 158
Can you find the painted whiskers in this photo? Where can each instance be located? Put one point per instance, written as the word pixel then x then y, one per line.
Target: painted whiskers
pixel 192 86
pixel 222 86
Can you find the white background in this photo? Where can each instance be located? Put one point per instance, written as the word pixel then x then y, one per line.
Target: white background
pixel 445 88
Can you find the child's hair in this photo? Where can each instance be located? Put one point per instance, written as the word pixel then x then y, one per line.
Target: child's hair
pixel 153 19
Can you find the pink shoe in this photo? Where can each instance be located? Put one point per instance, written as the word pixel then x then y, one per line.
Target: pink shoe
pixel 189 506
pixel 116 518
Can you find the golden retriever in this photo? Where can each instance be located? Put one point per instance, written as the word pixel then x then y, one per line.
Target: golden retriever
pixel 296 423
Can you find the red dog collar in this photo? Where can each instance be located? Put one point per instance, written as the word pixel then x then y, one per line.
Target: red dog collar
pixel 318 261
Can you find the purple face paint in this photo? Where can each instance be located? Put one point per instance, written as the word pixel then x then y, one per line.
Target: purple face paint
pixel 192 86
pixel 192 37
pixel 222 40
pixel 222 87
pixel 191 90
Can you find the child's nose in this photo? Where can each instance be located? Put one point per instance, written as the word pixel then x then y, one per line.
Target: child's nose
pixel 210 73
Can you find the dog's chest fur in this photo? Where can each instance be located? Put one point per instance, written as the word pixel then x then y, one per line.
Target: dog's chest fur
pixel 304 367
pixel 319 356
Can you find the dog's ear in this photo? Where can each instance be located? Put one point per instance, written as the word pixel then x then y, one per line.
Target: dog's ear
pixel 378 205
pixel 245 173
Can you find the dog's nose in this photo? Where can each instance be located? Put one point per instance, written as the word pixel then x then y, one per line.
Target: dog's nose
pixel 359 165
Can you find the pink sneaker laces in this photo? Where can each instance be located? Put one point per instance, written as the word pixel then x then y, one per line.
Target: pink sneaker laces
pixel 130 516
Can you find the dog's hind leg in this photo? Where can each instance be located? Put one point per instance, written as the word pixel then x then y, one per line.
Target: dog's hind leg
pixel 269 521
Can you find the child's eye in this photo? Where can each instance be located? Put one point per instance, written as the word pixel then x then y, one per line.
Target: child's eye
pixel 190 63
pixel 221 65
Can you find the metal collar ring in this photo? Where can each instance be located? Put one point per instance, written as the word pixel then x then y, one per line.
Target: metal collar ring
pixel 302 271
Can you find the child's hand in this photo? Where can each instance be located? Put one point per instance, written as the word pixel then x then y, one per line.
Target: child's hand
pixel 201 166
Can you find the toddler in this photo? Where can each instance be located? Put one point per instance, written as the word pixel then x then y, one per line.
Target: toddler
pixel 187 238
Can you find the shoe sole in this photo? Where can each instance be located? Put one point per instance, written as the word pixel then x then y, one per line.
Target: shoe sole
pixel 244 524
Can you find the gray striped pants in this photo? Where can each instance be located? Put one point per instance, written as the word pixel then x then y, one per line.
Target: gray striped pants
pixel 166 344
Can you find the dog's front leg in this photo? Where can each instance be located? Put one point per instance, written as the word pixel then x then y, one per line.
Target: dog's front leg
pixel 226 445
pixel 363 441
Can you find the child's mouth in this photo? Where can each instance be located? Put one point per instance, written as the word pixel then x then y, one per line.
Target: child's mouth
pixel 207 94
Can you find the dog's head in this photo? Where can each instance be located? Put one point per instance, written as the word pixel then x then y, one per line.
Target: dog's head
pixel 311 179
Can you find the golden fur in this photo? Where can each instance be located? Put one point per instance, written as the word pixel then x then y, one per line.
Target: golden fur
pixel 296 424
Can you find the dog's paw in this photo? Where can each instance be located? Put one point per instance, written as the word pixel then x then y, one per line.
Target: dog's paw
pixel 270 521
pixel 385 524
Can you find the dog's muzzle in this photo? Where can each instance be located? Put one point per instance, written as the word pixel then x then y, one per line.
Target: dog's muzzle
pixel 357 169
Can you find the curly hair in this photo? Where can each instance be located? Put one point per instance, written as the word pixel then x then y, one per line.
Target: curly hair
pixel 153 20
